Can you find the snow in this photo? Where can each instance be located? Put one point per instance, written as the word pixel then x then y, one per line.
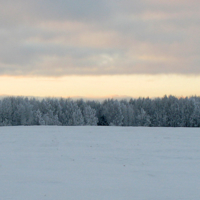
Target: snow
pixel 99 163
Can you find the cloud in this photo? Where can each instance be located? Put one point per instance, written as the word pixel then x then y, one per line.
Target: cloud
pixel 56 38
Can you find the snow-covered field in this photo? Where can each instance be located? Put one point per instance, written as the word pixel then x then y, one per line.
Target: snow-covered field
pixel 99 163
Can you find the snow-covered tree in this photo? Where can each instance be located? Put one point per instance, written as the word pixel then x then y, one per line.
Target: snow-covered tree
pixel 166 111
pixel 128 114
pixel 77 117
pixel 6 112
pixel 89 115
pixel 143 118
pixel 112 111
pixel 195 116
pixel 38 118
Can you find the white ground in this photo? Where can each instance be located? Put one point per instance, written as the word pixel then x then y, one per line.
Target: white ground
pixel 99 163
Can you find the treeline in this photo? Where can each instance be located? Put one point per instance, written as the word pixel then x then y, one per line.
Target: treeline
pixel 168 111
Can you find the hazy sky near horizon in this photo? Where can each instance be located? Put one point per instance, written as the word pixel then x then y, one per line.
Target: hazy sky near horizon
pixel 88 40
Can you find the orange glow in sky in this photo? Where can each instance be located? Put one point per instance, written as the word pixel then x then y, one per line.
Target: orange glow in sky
pixel 101 86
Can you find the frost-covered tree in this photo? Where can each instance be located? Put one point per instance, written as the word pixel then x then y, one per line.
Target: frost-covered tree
pixel 195 116
pixel 6 112
pixel 128 114
pixel 24 113
pixel 77 117
pixel 89 115
pixel 166 111
pixel 49 113
pixel 143 118
pixel 111 109
pixel 72 113
pixel 39 119
pixel 187 111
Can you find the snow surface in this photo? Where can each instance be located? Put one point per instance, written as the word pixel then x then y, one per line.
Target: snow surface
pixel 99 163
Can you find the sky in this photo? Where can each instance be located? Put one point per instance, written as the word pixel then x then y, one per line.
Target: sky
pixel 101 48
